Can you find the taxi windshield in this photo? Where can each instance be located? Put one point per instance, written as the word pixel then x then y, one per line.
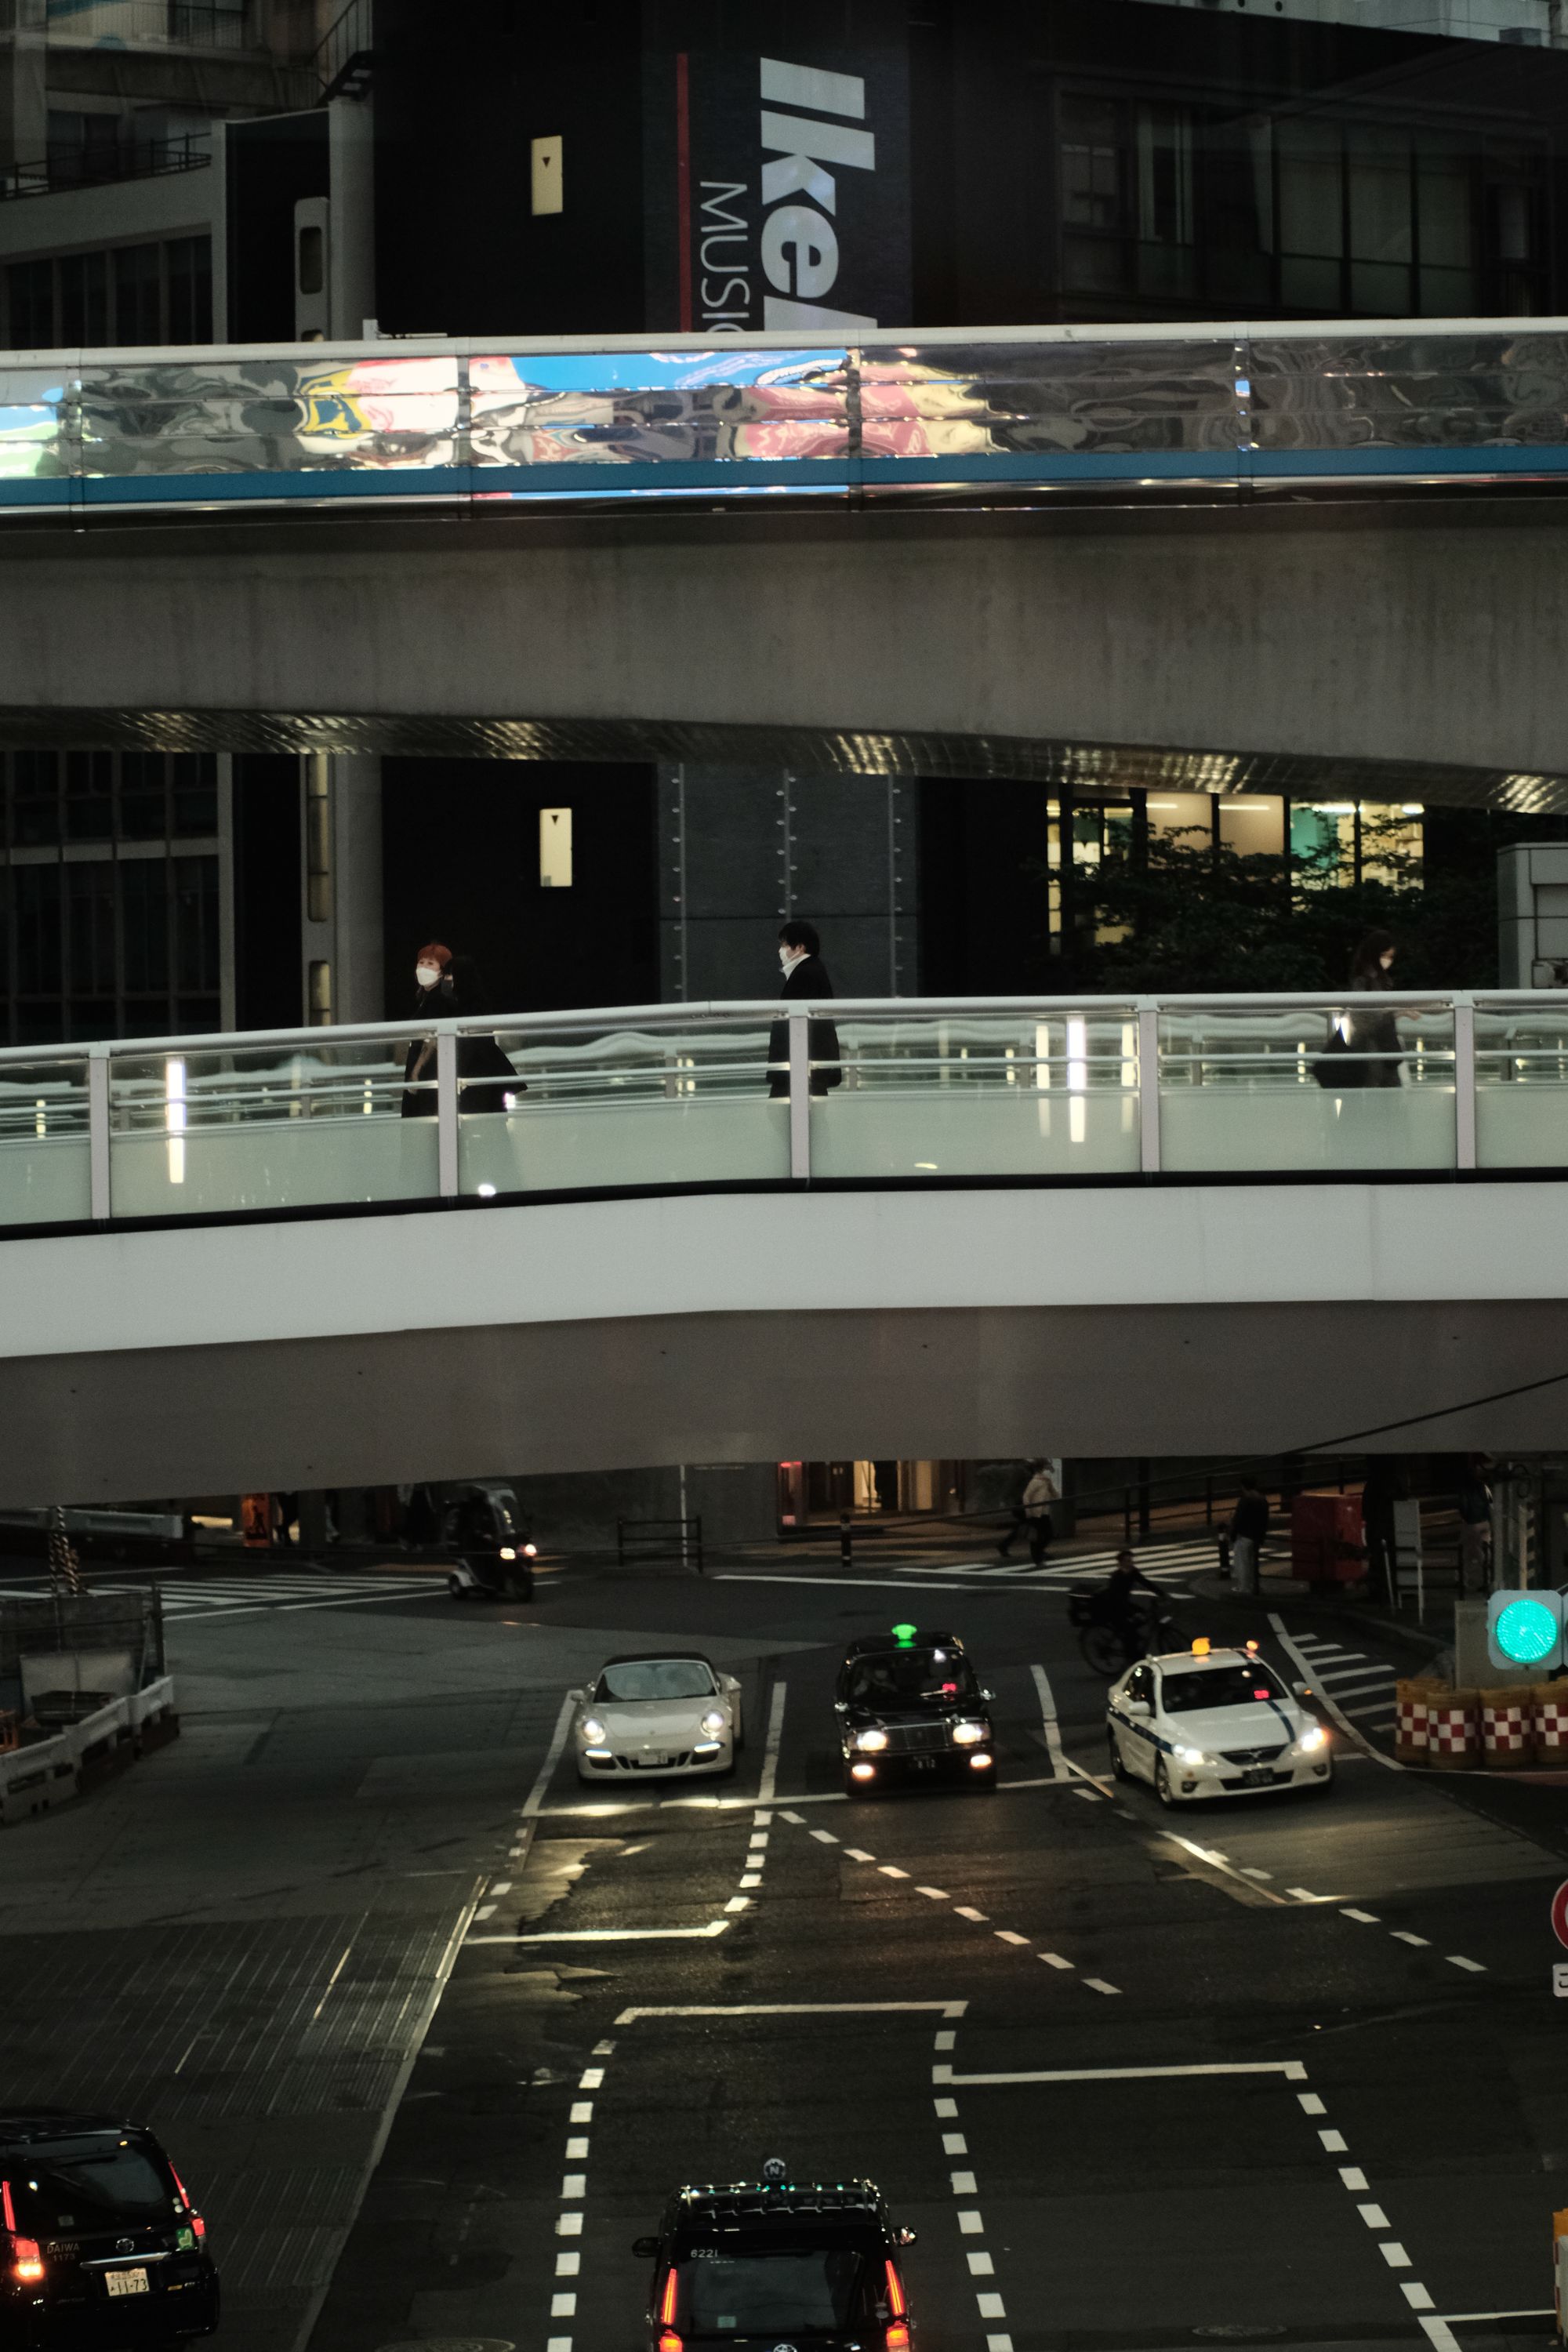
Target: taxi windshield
pixel 774 2290
pixel 645 1678
pixel 1195 1693
pixel 907 1678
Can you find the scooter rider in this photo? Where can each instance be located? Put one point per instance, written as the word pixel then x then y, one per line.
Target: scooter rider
pixel 493 1554
pixel 1130 1616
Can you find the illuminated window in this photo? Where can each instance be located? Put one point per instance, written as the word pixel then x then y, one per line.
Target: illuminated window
pixel 555 849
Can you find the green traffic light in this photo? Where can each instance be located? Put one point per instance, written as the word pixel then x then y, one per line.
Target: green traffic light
pixel 1526 1631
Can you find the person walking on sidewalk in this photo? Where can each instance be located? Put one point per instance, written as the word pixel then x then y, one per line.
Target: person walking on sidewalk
pixel 1038 1496
pixel 1248 1526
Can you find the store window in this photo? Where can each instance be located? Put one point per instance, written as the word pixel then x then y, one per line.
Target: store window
pixel 128 294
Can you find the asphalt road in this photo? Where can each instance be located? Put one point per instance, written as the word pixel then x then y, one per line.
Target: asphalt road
pixel 991 2005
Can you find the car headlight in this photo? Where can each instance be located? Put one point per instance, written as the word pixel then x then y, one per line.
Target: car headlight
pixel 1191 1755
pixel 872 1739
pixel 964 1735
pixel 1313 1741
pixel 713 1723
pixel 593 1731
pixel 507 1551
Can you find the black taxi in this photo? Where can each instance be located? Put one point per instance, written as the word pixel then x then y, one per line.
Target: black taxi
pixel 767 2262
pixel 910 1708
pixel 101 2245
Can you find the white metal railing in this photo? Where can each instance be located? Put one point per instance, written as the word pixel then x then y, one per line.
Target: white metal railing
pixel 639 1096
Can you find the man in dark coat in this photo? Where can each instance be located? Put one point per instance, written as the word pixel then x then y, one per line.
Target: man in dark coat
pixel 450 989
pixel 804 976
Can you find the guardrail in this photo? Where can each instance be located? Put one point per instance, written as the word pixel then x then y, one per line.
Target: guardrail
pixel 644 1096
pixel 150 159
pixel 954 414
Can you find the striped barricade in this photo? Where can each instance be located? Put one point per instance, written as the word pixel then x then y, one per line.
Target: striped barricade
pixel 1454 1731
pixel 1508 1728
pixel 1550 1709
pixel 1412 1698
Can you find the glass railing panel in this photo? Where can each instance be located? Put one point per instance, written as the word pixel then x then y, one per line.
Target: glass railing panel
pixel 44 1174
pixel 1007 1095
pixel 270 415
pixel 37 436
pixel 623 1108
pixel 618 408
pixel 1047 399
pixel 1521 1083
pixel 1409 390
pixel 1263 1087
pixel 206 1130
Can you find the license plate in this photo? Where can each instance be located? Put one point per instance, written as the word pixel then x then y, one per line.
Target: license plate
pixel 922 1763
pixel 126 2282
pixel 1258 1777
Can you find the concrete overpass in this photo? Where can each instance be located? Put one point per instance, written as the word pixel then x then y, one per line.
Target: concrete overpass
pixel 230 1264
pixel 1333 543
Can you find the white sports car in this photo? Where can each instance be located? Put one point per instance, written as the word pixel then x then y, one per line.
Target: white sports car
pixel 667 1712
pixel 1214 1723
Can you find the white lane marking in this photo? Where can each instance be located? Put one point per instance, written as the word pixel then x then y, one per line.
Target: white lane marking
pixel 1048 1719
pixel 859 1854
pixel 1055 1960
pixel 606 1935
pixel 1334 2142
pixel 1292 2068
pixel 934 1894
pixel 1440 2334
pixel 1415 2295
pixel 591 2079
pixel 965 1913
pixel 1247 1873
pixel 991 2307
pixel 770 1776
pixel 827 1836
pixel 751 1878
pixel 581 2112
pixel 954 2144
pixel 189 1619
pixel 1461 2318
pixel 485 1911
pixel 535 1796
pixel 1303 1665
pixel 1366 1918
pixel 1098 1984
pixel 577 2149
pixel 798 1819
pixel 944 2041
pixel 1394 2255
pixel 1352 2176
pixel 1217 1862
pixel 1403 1936
pixel 892 1870
pixel 1090 1796
pixel 998 2343
pixel 1309 2103
pixel 500 1886
pixel 945 2107
pixel 797 2009
pixel 1008 1936
pixel 568 2265
pixel 738 1903
pixel 982 2266
pixel 563 2307
pixel 1305 1894
pixel 759 1841
pixel 964 2184
pixel 573 2188
pixel 568 2225
pixel 1374 2217
pixel 1458 1960
pixel 970 2223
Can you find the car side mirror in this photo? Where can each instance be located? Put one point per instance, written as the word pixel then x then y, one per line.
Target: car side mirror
pixel 1302 1690
pixel 987 1693
pixel 646 2248
pixel 577 1696
pixel 908 2237
pixel 1137 1706
pixel 841 1706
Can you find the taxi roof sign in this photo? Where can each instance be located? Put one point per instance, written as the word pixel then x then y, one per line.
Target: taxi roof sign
pixel 1202 1645
pixel 904 1635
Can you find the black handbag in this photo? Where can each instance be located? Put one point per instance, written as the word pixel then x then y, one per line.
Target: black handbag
pixel 1336 1067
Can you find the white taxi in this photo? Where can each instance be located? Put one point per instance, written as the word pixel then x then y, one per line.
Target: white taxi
pixel 656 1711
pixel 1214 1723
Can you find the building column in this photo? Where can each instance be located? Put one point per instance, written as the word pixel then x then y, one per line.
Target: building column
pixel 340 892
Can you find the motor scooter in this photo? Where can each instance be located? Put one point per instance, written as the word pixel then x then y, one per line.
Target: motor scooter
pixel 505 1574
pixel 492 1556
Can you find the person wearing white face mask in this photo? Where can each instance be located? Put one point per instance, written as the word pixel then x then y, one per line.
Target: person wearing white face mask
pixel 449 988
pixel 805 975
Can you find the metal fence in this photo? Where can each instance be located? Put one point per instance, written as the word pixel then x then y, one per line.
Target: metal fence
pixel 63 1655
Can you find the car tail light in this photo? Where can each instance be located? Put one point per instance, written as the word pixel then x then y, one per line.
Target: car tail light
pixel 895 2303
pixel 27 2255
pixel 197 2224
pixel 896 2336
pixel 666 2300
pixel 669 2341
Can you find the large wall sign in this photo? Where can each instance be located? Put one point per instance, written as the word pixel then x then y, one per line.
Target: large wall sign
pixel 777 174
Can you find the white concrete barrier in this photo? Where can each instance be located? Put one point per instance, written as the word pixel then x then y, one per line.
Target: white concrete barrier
pixel 51 1772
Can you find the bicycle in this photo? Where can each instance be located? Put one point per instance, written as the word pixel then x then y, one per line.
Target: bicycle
pixel 1099 1639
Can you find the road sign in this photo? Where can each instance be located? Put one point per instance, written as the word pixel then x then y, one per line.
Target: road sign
pixel 1560 1914
pixel 1560 1978
pixel 1525 1629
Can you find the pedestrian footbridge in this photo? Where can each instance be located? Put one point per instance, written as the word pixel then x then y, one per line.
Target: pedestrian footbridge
pixel 942 552
pixel 723 1232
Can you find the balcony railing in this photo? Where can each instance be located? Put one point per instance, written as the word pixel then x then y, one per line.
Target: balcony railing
pixel 907 1091
pixel 942 416
pixel 100 167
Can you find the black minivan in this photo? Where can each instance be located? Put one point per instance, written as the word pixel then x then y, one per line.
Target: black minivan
pixel 771 2266
pixel 103 2247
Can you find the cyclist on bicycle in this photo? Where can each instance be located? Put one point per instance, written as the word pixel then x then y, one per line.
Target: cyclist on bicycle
pixel 1125 1609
